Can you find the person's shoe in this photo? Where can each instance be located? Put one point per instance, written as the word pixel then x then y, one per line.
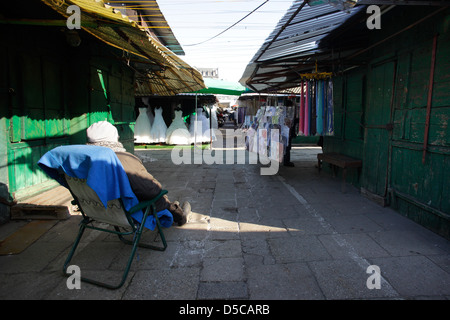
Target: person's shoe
pixel 179 217
pixel 186 207
pixel 183 220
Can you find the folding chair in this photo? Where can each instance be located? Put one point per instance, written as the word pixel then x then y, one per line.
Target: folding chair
pixel 93 209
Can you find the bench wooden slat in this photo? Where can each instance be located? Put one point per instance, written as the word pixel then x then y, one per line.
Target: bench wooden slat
pixel 341 161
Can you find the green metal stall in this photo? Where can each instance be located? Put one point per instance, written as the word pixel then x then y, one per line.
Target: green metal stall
pixel 50 96
pixel 393 113
pixel 55 82
pixel 391 94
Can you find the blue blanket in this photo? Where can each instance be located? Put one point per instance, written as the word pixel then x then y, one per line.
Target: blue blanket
pixel 103 172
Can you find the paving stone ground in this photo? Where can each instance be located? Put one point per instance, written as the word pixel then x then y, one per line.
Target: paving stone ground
pixel 289 236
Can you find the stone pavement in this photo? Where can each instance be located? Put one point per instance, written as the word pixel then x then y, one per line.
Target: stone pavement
pixel 288 236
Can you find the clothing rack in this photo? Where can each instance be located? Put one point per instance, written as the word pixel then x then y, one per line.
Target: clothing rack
pixel 316 107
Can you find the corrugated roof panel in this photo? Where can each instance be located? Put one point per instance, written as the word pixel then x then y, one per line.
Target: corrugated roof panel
pixel 290 49
pixel 152 16
pixel 295 38
pixel 310 24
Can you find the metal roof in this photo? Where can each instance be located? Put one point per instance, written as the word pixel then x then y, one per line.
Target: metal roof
pixel 294 40
pixel 160 71
pixel 303 32
pixel 150 13
pixel 305 38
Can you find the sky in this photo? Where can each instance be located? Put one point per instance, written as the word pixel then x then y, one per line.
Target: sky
pixel 194 22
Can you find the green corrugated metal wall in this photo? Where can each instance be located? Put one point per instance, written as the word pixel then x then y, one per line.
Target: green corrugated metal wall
pixel 392 89
pixel 349 104
pixel 50 94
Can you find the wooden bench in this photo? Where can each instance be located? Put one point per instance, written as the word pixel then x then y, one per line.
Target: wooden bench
pixel 339 160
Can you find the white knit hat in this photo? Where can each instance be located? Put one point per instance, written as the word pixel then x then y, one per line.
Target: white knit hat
pixel 102 131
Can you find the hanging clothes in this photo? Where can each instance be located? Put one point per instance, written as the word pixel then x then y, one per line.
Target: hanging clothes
pixel 319 107
pixel 307 108
pixel 325 106
pixel 142 128
pixel 214 123
pixel 301 120
pixel 159 128
pixel 330 111
pixel 316 107
pixel 199 127
pixel 313 113
pixel 213 115
pixel 177 133
pixel 150 115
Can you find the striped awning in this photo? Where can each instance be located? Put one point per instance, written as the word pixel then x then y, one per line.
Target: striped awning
pixel 161 72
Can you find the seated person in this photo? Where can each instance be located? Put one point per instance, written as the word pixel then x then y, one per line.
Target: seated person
pixel 143 184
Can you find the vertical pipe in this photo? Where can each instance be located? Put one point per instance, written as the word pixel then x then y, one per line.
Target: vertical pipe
pixel 210 127
pixel 430 96
pixel 195 123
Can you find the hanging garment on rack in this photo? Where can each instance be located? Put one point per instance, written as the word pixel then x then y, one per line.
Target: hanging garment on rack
pixel 151 117
pixel 213 115
pixel 319 107
pixel 199 129
pixel 249 139
pixel 262 142
pixel 325 105
pixel 177 133
pixel 159 128
pixel 307 109
pixel 301 115
pixel 312 122
pixel 142 128
pixel 330 113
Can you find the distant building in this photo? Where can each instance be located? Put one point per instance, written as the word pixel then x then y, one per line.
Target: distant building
pixel 209 72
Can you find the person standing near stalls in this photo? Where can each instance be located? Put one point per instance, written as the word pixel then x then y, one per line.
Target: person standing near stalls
pixel 287 155
pixel 233 116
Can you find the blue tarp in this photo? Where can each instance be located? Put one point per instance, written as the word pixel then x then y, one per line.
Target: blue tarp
pixel 103 172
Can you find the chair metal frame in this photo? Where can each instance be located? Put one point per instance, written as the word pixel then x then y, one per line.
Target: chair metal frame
pixel 136 230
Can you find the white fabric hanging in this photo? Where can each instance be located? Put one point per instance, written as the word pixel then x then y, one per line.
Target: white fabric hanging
pixel 150 115
pixel 159 128
pixel 213 115
pixel 142 128
pixel 177 133
pixel 199 127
